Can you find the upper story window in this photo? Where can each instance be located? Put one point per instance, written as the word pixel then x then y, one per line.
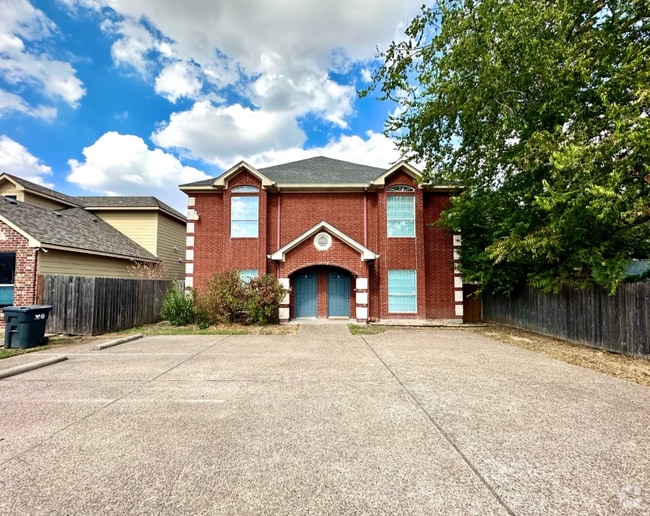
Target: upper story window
pixel 400 212
pixel 244 213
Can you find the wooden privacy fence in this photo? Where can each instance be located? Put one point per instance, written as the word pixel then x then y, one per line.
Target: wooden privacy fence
pixel 619 323
pixel 91 306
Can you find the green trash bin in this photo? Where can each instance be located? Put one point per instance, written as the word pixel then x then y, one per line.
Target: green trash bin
pixel 25 326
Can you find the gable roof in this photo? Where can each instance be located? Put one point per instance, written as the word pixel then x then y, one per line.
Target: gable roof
pixel 41 190
pixel 98 203
pixel 71 229
pixel 365 253
pixel 318 172
pixel 95 202
pixel 321 171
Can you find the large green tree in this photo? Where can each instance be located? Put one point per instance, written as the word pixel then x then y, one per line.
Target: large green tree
pixel 540 111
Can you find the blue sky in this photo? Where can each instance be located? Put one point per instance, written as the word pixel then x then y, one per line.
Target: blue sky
pixel 134 97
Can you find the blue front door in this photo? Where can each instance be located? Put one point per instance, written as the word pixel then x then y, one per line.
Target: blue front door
pixel 306 294
pixel 338 294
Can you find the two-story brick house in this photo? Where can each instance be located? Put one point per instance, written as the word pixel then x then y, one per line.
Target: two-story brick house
pixel 348 240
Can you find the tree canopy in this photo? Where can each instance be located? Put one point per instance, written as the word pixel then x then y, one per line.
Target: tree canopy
pixel 540 111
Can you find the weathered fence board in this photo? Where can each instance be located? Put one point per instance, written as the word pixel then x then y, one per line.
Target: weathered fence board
pixel 619 323
pixel 91 306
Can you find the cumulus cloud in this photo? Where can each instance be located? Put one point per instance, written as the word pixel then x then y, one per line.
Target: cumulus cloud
pixel 123 164
pixel 21 23
pixel 15 159
pixel 282 58
pixel 221 134
pixel 374 150
pixel 178 80
pixel 10 102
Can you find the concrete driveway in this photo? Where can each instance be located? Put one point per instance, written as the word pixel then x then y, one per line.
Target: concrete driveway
pixel 407 422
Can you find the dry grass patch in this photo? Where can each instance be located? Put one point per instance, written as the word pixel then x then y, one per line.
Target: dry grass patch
pixel 633 369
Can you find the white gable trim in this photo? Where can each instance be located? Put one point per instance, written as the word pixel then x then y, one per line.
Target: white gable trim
pixel 366 254
pixel 401 165
pixel 222 180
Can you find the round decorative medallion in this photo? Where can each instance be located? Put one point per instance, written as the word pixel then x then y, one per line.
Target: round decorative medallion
pixel 322 241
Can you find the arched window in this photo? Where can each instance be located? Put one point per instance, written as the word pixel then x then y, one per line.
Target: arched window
pixel 245 189
pixel 400 188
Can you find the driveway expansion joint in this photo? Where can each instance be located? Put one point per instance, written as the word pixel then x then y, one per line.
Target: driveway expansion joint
pixel 442 431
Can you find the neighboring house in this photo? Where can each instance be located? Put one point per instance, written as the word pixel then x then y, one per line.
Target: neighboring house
pixel 45 232
pixel 348 240
pixel 154 225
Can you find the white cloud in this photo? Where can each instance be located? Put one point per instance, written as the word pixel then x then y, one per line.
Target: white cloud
pixel 17 160
pixel 134 45
pixel 178 80
pixel 119 164
pixel 277 54
pixel 375 150
pixel 10 102
pixel 20 23
pixel 303 91
pixel 220 134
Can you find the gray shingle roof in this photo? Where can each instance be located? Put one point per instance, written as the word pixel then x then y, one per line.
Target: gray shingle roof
pixel 314 171
pixel 43 190
pixel 102 202
pixel 321 170
pixel 74 228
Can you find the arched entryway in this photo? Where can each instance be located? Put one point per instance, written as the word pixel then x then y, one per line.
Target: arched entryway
pixel 322 292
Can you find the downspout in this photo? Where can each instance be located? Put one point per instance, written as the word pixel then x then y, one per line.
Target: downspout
pixel 36 275
pixel 365 217
pixel 279 219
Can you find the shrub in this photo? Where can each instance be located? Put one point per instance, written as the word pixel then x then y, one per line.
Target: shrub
pixel 225 297
pixel 178 308
pixel 263 302
pixel 230 299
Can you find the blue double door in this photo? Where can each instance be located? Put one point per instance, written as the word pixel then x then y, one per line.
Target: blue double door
pixel 306 294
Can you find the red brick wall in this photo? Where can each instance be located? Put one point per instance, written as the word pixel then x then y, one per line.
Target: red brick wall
pixel 301 211
pixel 439 266
pixel 362 216
pixel 26 263
pixel 214 250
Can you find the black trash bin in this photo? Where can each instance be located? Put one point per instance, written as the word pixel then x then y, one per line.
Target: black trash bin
pixel 25 326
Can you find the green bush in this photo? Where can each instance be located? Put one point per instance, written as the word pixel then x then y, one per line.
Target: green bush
pixel 225 298
pixel 230 299
pixel 263 300
pixel 178 308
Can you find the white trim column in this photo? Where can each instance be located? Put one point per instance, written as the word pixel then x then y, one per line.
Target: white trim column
pixel 189 247
pixel 361 299
pixel 458 280
pixel 286 300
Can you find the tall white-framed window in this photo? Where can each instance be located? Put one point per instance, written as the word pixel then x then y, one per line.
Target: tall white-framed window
pixel 400 212
pixel 402 291
pixel 244 213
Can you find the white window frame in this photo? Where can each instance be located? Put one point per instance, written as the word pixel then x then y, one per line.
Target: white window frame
pixel 389 231
pixel 233 221
pixel 413 295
